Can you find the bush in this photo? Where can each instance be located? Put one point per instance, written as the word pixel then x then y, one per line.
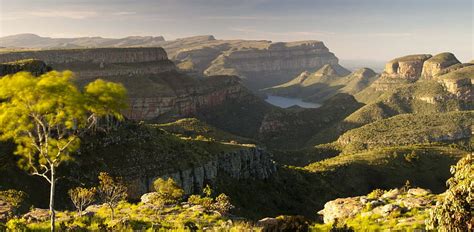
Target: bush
pixel 168 191
pixel 16 225
pixel 14 198
pixel 222 204
pixel 454 212
pixel 375 194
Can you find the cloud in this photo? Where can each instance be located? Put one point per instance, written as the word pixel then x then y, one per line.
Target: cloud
pixel 63 14
pixel 122 13
pixel 286 34
pixel 243 17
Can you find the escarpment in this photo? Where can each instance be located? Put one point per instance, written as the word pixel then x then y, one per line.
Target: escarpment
pixel 154 86
pixel 274 64
pixel 142 153
pixel 100 62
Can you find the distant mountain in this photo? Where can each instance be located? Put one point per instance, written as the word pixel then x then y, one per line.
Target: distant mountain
pixel 260 63
pixel 38 42
pixel 325 83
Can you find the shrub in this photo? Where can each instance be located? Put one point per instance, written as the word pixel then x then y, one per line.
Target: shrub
pixel 16 225
pixel 81 197
pixel 412 157
pixel 222 204
pixel 14 198
pixel 168 191
pixel 375 194
pixel 454 211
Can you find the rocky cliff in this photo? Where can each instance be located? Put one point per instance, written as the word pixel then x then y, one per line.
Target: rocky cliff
pixel 273 64
pixel 407 67
pixel 251 163
pixel 433 66
pixel 154 87
pixel 100 62
pixel 141 153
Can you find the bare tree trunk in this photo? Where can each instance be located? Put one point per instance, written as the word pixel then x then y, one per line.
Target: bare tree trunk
pixel 51 199
pixel 112 214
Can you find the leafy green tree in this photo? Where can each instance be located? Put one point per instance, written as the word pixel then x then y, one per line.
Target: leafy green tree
pixel 454 212
pixel 111 191
pixel 45 116
pixel 81 197
pixel 168 191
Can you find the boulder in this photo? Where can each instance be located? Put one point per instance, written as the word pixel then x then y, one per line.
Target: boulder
pixel 149 198
pixel 418 192
pixel 341 208
pixel 37 215
pixel 392 194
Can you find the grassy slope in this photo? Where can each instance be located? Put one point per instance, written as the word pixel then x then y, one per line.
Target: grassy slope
pixel 305 190
pixel 401 100
pixel 410 129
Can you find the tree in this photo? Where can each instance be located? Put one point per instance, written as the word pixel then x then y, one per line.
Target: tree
pixel 168 191
pixel 454 211
pixel 45 116
pixel 82 197
pixel 111 191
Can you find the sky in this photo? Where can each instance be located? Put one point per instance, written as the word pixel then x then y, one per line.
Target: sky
pixel 352 29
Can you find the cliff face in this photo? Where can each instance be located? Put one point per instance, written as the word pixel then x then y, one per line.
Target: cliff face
pixel 252 163
pixel 407 67
pixel 100 62
pixel 274 64
pixel 154 87
pixel 433 66
pixel 188 100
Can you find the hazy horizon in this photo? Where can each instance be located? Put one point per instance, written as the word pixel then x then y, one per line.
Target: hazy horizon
pixel 353 30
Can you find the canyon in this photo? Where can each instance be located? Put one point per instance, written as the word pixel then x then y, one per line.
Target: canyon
pixel 260 63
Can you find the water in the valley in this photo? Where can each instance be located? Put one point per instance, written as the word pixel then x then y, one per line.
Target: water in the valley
pixel 285 102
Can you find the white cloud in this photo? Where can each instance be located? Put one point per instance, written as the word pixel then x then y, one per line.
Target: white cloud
pixel 122 13
pixel 63 14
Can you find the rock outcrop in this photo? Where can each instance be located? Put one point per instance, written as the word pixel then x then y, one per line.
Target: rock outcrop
pixel 459 82
pixel 433 66
pixel 407 67
pixel 250 163
pixel 379 204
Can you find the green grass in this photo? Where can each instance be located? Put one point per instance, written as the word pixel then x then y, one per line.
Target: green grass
pixel 192 127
